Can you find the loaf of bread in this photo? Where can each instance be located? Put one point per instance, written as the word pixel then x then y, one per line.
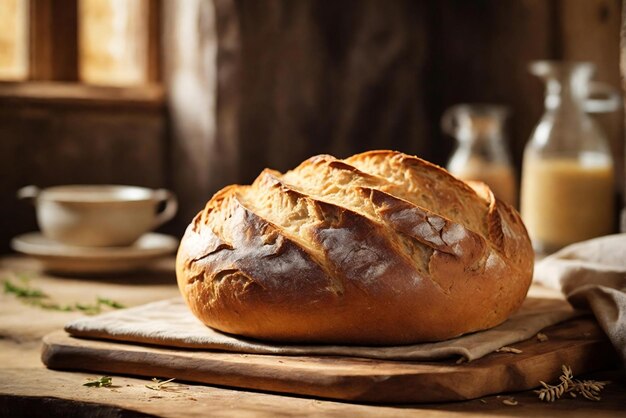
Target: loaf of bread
pixel 381 248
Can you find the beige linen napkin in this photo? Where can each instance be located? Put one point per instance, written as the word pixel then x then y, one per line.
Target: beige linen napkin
pixel 592 275
pixel 170 323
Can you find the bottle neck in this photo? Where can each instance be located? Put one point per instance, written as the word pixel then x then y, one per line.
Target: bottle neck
pixel 490 148
pixel 564 97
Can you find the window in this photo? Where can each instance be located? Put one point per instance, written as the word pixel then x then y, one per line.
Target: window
pixel 14 39
pixel 99 42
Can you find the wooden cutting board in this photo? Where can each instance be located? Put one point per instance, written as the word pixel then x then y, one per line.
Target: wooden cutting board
pixel 578 343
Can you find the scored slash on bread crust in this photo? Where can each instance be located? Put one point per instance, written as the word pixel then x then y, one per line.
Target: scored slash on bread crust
pixel 379 249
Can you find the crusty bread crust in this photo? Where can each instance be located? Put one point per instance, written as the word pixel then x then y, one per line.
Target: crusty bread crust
pixel 379 249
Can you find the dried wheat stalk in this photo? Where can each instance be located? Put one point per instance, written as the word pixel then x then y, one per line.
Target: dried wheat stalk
pixel 590 389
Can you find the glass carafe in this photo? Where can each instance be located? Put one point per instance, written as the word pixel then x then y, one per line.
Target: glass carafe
pixel 482 153
pixel 567 174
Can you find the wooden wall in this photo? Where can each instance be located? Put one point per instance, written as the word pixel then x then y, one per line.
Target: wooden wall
pixel 298 78
pixel 341 77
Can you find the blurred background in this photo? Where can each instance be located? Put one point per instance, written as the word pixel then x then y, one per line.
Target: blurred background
pixel 193 95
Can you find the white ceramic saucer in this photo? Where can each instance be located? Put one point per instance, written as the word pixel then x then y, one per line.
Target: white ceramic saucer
pixel 69 259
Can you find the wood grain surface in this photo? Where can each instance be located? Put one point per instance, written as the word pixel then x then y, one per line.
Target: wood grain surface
pixel 29 389
pixel 578 343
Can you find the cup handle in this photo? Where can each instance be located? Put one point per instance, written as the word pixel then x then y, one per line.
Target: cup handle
pixel 449 123
pixel 611 101
pixel 28 192
pixel 171 206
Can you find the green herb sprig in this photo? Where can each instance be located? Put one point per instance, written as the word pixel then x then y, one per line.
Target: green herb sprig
pixel 103 382
pixel 111 303
pixel 36 297
pixel 23 292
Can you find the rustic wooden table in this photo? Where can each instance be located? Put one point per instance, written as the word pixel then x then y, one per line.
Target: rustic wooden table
pixel 27 388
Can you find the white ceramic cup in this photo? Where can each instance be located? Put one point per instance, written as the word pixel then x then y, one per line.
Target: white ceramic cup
pixel 99 215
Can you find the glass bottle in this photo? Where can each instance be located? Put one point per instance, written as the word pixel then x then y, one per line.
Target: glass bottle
pixel 568 174
pixel 481 153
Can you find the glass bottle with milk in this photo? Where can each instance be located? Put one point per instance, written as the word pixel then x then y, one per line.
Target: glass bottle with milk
pixel 568 173
pixel 482 153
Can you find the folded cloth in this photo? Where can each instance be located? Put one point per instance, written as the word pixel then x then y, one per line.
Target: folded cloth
pixel 592 275
pixel 170 323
